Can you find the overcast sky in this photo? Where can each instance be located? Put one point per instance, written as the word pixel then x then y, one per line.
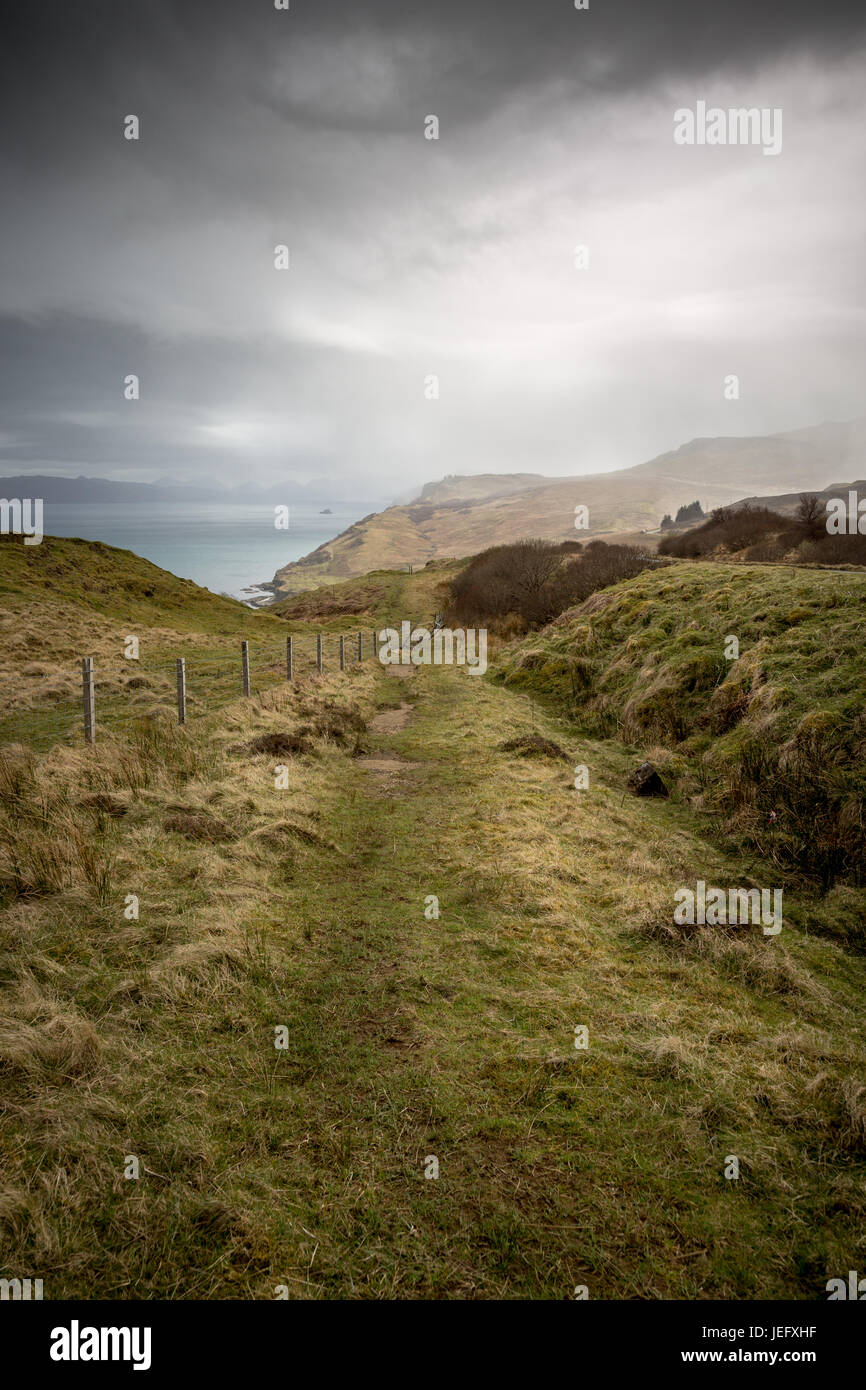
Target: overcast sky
pixel 412 257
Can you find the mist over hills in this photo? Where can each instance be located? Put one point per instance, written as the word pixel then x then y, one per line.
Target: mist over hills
pixel 461 487
pixel 460 515
pixel 57 488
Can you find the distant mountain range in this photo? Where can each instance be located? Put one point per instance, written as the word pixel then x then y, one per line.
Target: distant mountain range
pixel 460 515
pixel 52 488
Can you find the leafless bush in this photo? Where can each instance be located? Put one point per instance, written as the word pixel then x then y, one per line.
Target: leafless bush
pixel 835 550
pixel 732 529
pixel 532 582
pixel 765 535
pixel 811 517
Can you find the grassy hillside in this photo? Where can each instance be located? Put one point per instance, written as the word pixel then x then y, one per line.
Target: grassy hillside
pixel 379 598
pixel 779 730
pixel 65 599
pixel 111 583
pixel 461 487
pixel 457 519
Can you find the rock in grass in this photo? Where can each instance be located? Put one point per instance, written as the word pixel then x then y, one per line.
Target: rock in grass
pixel 645 781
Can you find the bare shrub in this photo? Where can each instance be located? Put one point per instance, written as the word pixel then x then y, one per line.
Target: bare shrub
pixel 732 529
pixel 810 517
pixel 534 581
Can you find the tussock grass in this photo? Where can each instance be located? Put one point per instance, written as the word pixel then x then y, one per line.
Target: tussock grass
pixel 532 746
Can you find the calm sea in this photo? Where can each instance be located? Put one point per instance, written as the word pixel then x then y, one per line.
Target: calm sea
pixel 227 548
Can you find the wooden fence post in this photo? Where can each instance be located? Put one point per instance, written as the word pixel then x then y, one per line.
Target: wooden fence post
pixel 373 635
pixel 289 663
pixel 342 652
pixel 89 699
pixel 360 646
pixel 319 652
pixel 245 664
pixel 181 690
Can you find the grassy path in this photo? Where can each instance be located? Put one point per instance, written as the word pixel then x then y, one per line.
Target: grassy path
pixel 453 1038
pixel 414 1038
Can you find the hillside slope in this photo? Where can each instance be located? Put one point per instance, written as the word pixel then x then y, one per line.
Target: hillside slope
pixel 444 525
pixel 381 598
pixel 771 744
pixel 65 599
pixel 786 503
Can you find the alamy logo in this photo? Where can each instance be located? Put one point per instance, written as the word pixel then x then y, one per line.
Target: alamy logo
pixel 76 1343
pixel 16 1289
pixel 739 125
pixel 739 907
pixel 846 521
pixel 444 646
pixel 856 1287
pixel 14 519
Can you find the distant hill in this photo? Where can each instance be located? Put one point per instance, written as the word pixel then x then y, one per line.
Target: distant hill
pixel 58 489
pixel 786 503
pixel 53 488
pixel 460 516
pixel 458 487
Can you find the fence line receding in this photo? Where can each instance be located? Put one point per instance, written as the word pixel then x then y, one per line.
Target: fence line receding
pixel 115 694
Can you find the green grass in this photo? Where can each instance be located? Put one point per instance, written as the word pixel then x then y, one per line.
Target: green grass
pixel 380 598
pixel 660 639
pixel 66 599
pixel 116 584
pixel 411 1037
pixel 772 744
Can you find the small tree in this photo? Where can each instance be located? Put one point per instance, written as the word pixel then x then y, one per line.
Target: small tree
pixel 811 517
pixel 667 522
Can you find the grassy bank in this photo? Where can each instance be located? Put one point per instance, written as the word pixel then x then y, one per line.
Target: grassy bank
pixel 771 743
pixel 65 599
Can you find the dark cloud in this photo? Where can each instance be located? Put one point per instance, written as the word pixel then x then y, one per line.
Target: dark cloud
pixel 485 44
pixel 412 257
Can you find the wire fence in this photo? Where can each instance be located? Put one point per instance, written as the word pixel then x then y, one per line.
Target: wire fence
pixel 116 694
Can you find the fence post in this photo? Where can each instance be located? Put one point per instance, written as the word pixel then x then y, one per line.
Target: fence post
pixel 89 699
pixel 181 690
pixel 360 646
pixel 373 635
pixel 319 652
pixel 289 664
pixel 245 664
pixel 342 652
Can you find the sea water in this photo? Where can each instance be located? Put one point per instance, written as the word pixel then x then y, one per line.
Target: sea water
pixel 226 547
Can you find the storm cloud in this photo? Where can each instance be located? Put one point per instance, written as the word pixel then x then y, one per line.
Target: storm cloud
pixel 412 257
